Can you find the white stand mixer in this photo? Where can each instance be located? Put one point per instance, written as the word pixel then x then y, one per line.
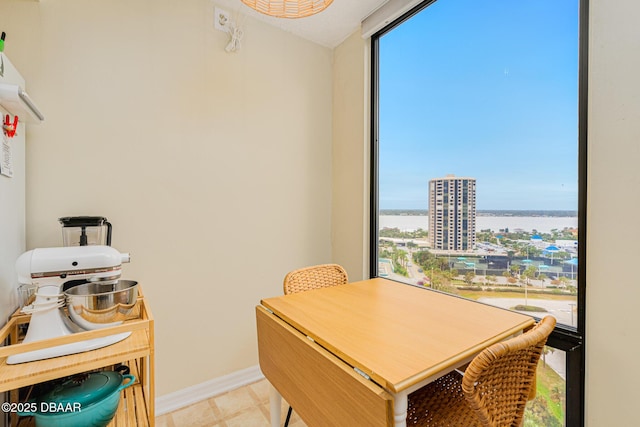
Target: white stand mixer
pixel 49 269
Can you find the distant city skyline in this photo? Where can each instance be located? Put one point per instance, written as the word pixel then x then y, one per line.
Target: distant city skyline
pixel 466 91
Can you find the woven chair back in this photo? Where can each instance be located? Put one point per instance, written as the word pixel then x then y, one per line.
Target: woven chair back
pixel 499 381
pixel 314 277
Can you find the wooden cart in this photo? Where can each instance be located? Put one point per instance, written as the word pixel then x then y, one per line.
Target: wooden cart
pixel 136 406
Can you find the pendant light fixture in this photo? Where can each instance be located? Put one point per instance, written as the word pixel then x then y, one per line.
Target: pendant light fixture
pixel 288 8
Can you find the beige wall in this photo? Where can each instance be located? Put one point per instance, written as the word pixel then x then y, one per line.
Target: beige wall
pixel 613 293
pixel 351 163
pixel 214 168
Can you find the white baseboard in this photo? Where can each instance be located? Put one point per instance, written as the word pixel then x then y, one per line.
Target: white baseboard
pixel 190 395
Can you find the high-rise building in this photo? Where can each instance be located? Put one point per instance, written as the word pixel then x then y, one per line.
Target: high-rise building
pixel 452 213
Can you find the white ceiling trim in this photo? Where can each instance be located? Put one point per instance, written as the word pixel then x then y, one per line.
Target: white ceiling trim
pixel 387 13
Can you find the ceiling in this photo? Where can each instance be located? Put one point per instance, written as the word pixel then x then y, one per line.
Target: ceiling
pixel 328 28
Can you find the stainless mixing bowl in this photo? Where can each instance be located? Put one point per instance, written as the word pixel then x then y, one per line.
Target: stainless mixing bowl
pixel 98 305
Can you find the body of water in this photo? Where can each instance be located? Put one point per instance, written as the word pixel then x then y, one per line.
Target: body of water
pixel 543 224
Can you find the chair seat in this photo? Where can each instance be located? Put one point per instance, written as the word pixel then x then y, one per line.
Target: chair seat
pixel 494 390
pixel 441 403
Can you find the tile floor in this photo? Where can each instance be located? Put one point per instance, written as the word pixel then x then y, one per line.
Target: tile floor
pixel 247 406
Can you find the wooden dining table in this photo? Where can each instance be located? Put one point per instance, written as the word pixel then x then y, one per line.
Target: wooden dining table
pixel 350 355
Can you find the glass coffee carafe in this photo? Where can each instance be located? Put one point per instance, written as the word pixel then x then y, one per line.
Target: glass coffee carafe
pixel 85 230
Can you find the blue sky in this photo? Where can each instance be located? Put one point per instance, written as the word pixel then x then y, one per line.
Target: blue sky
pixel 483 89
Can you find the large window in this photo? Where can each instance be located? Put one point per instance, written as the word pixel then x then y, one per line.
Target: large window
pixel 478 171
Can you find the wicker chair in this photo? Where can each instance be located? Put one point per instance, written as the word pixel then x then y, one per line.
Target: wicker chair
pixel 314 277
pixel 492 392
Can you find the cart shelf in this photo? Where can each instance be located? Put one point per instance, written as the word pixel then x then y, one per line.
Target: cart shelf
pixel 136 406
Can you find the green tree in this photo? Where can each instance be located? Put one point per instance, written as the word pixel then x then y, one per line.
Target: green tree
pixel 401 257
pixel 449 274
pixel 542 277
pixel 529 273
pixel 442 282
pixel 399 260
pixel 534 252
pixel 515 270
pixel 468 277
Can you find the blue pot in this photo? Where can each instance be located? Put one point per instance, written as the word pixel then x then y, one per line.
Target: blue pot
pixel 90 402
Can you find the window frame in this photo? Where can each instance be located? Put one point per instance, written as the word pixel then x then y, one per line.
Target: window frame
pixel 566 338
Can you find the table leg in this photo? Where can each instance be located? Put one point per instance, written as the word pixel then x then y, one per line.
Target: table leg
pixel 401 403
pixel 275 406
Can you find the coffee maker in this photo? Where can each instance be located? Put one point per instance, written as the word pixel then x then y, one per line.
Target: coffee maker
pixel 85 231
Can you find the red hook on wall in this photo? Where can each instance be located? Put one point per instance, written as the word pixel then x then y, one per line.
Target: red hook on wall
pixel 10 129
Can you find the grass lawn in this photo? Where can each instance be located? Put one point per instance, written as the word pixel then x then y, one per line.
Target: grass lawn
pixel 552 389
